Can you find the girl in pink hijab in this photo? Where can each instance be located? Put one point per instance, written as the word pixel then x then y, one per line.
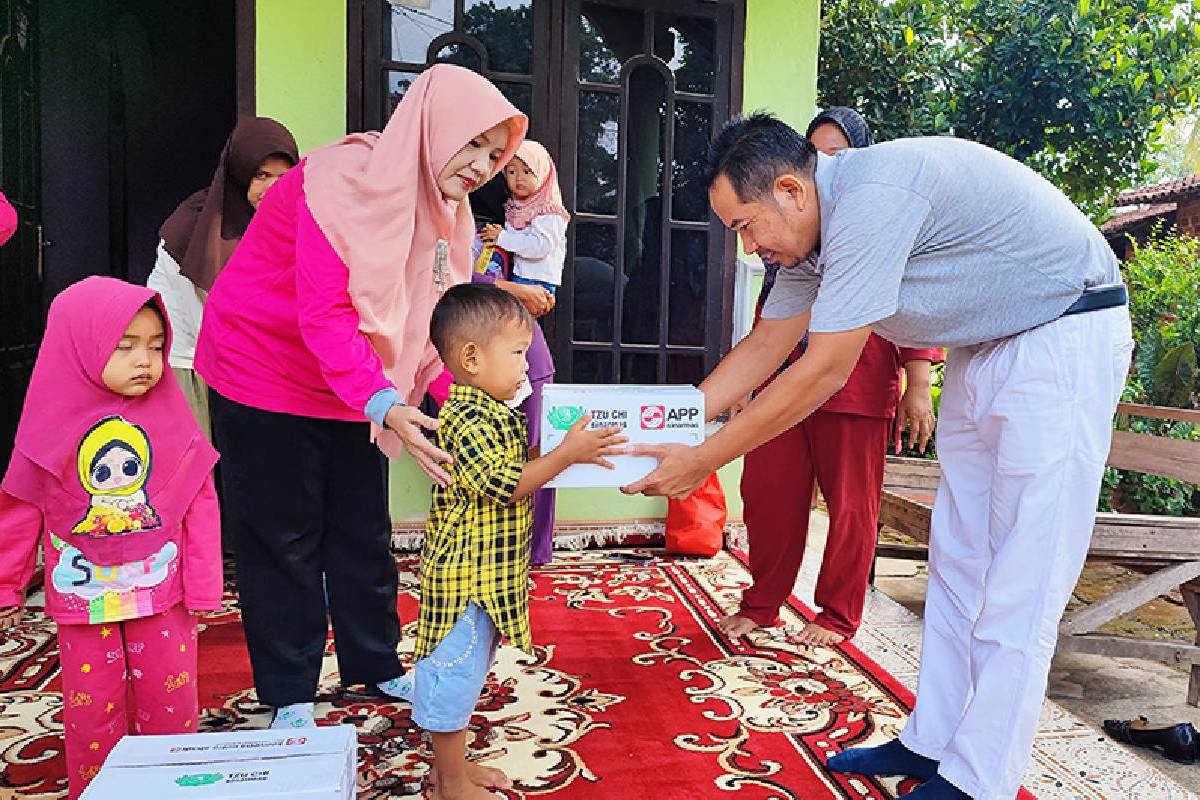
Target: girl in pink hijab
pixel 315 344
pixel 112 475
pixel 535 222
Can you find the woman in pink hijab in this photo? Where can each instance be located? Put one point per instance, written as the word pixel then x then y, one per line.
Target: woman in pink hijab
pixel 318 324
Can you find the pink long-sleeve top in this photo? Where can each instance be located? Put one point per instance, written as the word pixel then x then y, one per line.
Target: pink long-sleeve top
pixel 186 570
pixel 8 219
pixel 280 331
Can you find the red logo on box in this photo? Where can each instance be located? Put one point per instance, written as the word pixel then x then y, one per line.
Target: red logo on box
pixel 296 741
pixel 653 418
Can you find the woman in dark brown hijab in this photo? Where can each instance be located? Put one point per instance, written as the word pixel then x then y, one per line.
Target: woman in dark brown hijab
pixel 201 234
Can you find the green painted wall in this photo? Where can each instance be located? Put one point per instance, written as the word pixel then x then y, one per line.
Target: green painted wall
pixel 780 66
pixel 301 81
pixel 300 67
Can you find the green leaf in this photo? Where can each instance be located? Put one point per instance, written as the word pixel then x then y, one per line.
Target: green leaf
pixel 1175 376
pixel 909 36
pixel 1139 82
pixel 1084 7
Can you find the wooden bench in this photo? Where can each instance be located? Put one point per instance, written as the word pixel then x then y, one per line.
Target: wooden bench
pixel 1166 550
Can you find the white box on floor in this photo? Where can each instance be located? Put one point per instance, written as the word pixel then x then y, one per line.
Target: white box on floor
pixel 309 763
pixel 646 414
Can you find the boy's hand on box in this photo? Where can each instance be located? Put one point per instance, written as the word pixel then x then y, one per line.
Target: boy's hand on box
pixel 10 617
pixel 583 446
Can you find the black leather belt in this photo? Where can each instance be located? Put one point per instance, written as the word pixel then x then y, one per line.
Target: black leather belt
pixel 1099 297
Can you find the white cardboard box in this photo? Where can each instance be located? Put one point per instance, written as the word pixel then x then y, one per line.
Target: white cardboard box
pixel 311 763
pixel 647 415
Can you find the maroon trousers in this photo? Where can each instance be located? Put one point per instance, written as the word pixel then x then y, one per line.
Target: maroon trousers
pixel 845 454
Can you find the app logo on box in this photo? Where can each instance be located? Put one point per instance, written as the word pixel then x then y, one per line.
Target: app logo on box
pixel 654 418
pixel 201 779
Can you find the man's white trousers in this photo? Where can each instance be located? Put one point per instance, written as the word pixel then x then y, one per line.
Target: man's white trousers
pixel 1023 434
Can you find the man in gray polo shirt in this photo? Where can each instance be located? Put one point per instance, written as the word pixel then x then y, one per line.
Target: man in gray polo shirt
pixel 938 242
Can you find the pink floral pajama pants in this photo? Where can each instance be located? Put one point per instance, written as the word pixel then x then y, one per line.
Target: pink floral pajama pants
pixel 137 676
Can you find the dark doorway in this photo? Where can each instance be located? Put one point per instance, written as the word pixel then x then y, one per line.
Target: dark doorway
pixel 138 98
pixel 20 260
pixel 112 114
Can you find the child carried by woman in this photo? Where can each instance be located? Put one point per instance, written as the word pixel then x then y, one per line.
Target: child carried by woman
pixel 535 222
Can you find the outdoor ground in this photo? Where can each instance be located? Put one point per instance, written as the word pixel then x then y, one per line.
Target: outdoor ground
pixel 1095 688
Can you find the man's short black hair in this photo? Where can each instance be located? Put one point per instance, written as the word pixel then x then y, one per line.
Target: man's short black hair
pixel 752 151
pixel 472 312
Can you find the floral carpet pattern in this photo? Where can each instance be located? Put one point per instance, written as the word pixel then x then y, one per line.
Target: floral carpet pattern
pixel 632 691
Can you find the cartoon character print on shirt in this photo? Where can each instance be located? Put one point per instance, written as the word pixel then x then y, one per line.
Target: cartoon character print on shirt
pixel 114 463
pixel 111 593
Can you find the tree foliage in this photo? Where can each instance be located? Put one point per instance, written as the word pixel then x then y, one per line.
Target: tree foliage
pixel 1077 89
pixel 1163 276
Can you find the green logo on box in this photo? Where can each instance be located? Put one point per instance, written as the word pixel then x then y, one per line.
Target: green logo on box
pixel 202 779
pixel 563 417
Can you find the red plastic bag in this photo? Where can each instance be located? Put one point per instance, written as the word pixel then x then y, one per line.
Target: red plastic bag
pixel 696 526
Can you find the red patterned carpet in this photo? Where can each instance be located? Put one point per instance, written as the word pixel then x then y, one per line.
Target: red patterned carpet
pixel 633 692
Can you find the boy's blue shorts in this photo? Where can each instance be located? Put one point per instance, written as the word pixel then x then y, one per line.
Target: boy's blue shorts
pixel 448 681
pixel 549 287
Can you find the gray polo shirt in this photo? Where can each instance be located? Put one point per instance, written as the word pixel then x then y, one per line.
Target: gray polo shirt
pixel 940 242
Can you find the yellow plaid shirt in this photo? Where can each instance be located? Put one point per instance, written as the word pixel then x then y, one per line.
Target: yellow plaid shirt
pixel 476 545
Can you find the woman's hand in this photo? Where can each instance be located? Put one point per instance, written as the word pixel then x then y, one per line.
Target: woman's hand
pixel 915 417
pixel 406 422
pixel 536 299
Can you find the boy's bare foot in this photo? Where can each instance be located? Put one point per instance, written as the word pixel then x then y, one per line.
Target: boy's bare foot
pixel 737 626
pixel 487 777
pixel 818 636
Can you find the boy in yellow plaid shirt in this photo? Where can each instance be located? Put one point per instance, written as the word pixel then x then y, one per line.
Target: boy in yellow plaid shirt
pixel 475 556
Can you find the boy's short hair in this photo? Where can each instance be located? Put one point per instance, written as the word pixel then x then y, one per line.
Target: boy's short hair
pixel 472 312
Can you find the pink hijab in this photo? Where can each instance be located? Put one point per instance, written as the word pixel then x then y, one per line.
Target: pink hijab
pixel 375 197
pixel 72 421
pixel 547 199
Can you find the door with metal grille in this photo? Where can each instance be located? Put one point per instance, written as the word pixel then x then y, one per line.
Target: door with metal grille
pixel 625 94
pixel 21 300
pixel 643 86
